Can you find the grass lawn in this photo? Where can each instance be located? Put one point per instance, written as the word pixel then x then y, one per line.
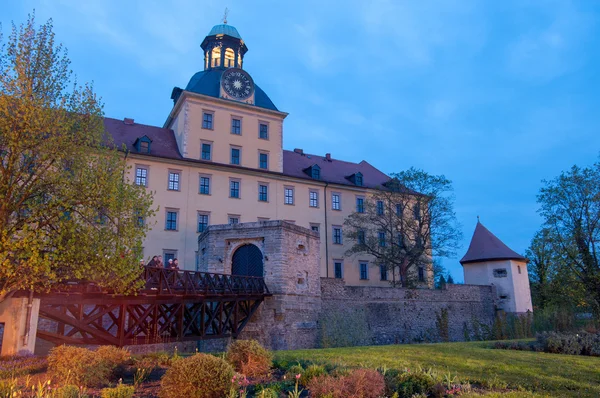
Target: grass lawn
pixel 547 374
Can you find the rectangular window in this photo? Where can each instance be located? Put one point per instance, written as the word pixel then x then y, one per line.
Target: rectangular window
pixel 205 185
pixel 234 220
pixel 171 222
pixel 360 236
pixel 417 211
pixel 202 221
pixel 236 126
pixel 399 210
pixel 173 181
pixel 235 156
pixel 313 200
pixel 288 194
pixel 383 272
pixel 263 131
pixel 263 191
pixel 337 269
pixel 421 274
pixel 169 255
pixel 381 239
pixel 335 201
pixel 206 149
pixel 234 189
pixel 141 176
pixel 207 120
pixel 360 205
pixel 140 218
pixel 337 235
pixel 500 273
pixel 263 161
pixel 400 240
pixel 314 227
pixel 364 271
pixel 379 207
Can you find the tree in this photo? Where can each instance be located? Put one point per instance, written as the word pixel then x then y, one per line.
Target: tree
pixel 405 224
pixel 570 206
pixel 450 279
pixel 66 211
pixel 552 282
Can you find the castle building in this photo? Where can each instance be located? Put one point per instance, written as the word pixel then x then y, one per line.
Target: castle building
pixel 490 262
pixel 219 159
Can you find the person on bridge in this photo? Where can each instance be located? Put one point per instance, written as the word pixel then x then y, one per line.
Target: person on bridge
pixel 159 262
pixel 170 263
pixel 175 264
pixel 153 262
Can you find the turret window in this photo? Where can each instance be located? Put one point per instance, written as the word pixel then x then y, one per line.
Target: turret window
pixel 216 57
pixel 229 58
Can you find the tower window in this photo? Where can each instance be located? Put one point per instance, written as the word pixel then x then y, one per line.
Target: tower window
pixel 263 161
pixel 263 131
pixel 207 120
pixel 215 57
pixel 236 126
pixel 229 58
pixel 421 274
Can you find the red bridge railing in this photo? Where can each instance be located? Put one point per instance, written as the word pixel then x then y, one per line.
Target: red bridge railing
pixel 172 281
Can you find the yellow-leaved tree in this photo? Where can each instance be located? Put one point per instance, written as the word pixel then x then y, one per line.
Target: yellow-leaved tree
pixel 66 209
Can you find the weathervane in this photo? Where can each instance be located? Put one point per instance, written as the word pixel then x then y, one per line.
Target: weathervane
pixel 225 15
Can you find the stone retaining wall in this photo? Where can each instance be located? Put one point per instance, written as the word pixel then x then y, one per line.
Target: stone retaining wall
pixel 354 315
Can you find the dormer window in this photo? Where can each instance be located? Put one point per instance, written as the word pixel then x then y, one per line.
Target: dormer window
pixel 356 178
pixel 314 172
pixel 142 144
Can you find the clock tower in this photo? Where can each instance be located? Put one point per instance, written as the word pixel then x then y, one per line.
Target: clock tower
pixel 224 50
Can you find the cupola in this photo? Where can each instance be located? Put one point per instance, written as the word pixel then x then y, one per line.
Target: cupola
pixel 223 47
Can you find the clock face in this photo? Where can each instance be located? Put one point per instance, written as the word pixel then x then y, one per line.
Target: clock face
pixel 237 83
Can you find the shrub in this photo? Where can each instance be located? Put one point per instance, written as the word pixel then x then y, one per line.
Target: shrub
pixel 410 384
pixel 114 357
pixel 79 366
pixel 249 358
pixel 152 360
pixel 391 378
pixel 360 383
pixel 68 391
pixel 120 391
pixel 310 373
pixel 15 366
pixel 198 376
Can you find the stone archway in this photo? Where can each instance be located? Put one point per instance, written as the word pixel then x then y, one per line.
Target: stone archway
pixel 247 260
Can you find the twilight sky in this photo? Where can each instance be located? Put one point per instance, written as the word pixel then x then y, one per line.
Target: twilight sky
pixel 496 95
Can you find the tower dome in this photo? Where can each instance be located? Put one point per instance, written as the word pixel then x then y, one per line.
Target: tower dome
pixel 223 48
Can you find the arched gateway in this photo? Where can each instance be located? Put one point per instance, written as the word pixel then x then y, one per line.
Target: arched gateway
pixel 247 261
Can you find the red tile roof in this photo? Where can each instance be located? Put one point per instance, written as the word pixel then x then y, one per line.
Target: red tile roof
pixel 163 140
pixel 332 170
pixel 164 145
pixel 485 246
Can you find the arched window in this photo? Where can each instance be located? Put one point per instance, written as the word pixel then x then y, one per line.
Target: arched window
pixel 229 58
pixel 216 57
pixel 206 61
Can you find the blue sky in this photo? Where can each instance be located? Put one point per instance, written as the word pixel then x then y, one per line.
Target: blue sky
pixel 495 95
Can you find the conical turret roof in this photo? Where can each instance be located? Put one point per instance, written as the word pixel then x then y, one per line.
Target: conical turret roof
pixel 485 246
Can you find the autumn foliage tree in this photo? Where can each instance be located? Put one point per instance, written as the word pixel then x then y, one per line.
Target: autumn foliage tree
pixel 66 211
pixel 405 225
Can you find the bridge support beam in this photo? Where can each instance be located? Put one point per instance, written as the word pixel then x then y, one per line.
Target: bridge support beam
pixel 18 325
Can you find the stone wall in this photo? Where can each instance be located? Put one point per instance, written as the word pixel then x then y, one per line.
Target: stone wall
pixel 354 315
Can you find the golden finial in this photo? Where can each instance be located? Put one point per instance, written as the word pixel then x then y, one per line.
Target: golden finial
pixel 225 15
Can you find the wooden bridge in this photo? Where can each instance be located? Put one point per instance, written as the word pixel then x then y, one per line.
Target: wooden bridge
pixel 173 305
